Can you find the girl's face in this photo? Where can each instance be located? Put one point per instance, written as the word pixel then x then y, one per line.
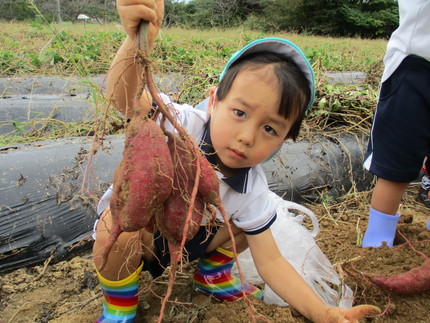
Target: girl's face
pixel 245 126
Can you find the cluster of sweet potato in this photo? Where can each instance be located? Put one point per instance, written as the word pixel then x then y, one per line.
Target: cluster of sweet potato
pixel 163 182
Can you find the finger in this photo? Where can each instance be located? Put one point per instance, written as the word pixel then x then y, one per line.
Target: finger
pixel 139 12
pixel 148 3
pixel 357 312
pixel 132 15
pixel 159 8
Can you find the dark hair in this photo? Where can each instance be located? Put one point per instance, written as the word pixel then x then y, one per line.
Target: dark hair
pixel 295 92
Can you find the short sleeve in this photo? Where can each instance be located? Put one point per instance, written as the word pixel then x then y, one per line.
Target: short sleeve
pixel 258 215
pixel 255 210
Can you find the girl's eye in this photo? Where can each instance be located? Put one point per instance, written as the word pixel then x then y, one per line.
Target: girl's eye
pixel 239 113
pixel 270 130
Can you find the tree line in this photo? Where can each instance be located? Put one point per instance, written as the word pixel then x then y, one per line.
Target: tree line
pixel 339 18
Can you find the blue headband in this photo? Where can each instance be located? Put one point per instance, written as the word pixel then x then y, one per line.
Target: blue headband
pixel 283 47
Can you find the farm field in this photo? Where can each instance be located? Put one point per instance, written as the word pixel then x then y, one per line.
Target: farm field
pixel 67 291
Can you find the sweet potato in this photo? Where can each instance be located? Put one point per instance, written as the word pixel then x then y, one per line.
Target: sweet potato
pixel 414 281
pixel 143 180
pixel 172 221
pixel 200 172
pixel 142 188
pixel 183 210
pixel 209 183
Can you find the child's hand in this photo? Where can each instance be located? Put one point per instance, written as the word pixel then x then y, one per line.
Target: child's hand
pixel 133 11
pixel 349 315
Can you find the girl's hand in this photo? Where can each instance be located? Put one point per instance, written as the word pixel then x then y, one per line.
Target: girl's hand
pixel 133 11
pixel 348 315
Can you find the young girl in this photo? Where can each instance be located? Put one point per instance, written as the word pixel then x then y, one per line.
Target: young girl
pixel 260 102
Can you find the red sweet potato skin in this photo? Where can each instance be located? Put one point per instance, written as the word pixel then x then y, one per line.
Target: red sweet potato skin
pixel 416 280
pixel 143 180
pixel 209 183
pixel 171 222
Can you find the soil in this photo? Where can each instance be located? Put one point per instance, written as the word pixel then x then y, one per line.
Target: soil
pixel 68 291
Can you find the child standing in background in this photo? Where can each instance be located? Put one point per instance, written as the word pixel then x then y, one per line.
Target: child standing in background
pixel 400 137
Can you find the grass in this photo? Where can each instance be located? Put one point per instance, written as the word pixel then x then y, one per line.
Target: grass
pixel 82 50
pixel 34 49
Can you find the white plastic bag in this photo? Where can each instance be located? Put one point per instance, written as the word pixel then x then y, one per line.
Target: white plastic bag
pixel 298 246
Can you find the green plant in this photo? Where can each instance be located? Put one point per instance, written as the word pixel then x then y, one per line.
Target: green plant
pixel 343 108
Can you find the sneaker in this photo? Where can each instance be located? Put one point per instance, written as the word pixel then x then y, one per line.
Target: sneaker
pixel 423 191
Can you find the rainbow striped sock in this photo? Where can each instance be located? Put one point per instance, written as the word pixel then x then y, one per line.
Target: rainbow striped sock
pixel 120 298
pixel 213 276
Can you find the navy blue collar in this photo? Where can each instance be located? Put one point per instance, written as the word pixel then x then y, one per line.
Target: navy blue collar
pixel 239 181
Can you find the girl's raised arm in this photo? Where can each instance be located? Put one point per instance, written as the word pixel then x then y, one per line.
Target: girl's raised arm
pixel 124 76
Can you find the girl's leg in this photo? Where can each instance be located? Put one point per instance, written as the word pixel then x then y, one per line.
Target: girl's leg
pixel 213 273
pixel 125 256
pixel 120 276
pixel 383 215
pixel 387 195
